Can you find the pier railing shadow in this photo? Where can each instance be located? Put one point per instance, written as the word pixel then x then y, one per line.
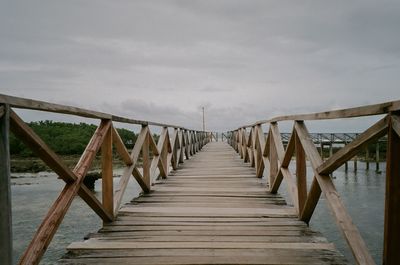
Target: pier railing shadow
pixel 168 152
pixel 263 152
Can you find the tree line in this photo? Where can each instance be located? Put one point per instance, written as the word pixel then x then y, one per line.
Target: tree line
pixel 64 138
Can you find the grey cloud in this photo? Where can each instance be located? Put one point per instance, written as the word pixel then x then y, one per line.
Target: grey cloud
pixel 162 60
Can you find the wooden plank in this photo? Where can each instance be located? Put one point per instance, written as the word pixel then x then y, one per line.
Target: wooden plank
pixel 97 244
pixel 57 211
pixel 301 174
pixel 6 240
pixel 342 218
pixel 357 145
pixel 107 190
pixel 273 161
pixel 391 254
pixel 146 160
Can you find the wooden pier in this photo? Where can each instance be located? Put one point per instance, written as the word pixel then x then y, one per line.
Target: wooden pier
pixel 213 210
pixel 216 206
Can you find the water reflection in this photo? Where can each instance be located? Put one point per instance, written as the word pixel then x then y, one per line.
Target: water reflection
pixel 363 195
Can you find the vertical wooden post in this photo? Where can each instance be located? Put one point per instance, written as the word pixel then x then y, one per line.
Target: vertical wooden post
pixel 377 157
pixel 181 144
pixel 391 253
pixel 301 174
pixel 107 173
pixel 5 190
pixel 331 149
pixel 273 160
pixel 367 158
pixel 146 160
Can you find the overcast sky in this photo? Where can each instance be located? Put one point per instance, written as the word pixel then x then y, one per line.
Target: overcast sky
pixel 162 60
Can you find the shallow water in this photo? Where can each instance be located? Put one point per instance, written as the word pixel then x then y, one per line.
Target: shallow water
pixel 33 194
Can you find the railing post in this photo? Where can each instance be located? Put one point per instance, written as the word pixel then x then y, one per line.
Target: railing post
pixel 5 189
pixel 301 174
pixel 146 160
pixel 391 253
pixel 107 173
pixel 273 160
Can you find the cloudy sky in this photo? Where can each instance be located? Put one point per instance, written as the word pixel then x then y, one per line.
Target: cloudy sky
pixel 162 60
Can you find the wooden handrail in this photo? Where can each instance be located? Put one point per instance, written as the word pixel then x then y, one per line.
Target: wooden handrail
pixel 166 153
pixel 24 103
pixel 369 110
pixel 260 150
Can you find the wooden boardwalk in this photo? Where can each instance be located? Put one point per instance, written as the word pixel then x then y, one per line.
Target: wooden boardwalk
pixel 213 210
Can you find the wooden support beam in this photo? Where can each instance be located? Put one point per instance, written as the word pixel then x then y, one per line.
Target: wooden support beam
pixel 391 253
pixel 146 160
pixel 182 146
pixel 187 144
pixel 57 211
pixel 40 148
pixel 107 173
pixel 172 157
pixel 6 240
pixel 348 151
pixel 123 181
pixel 342 218
pixel 301 174
pixel 260 145
pixel 273 161
pixel 311 201
pixel 289 150
pixel 120 147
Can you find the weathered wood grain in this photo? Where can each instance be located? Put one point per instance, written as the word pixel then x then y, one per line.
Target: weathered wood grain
pixel 6 239
pixel 205 214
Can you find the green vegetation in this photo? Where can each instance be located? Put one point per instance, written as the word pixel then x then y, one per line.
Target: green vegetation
pixel 64 138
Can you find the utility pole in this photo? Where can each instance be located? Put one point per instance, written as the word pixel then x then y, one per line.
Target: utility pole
pixel 204 122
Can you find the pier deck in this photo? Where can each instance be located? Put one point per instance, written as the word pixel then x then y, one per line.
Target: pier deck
pixel 213 210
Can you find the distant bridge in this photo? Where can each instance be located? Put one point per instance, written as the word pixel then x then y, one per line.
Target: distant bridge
pixel 202 203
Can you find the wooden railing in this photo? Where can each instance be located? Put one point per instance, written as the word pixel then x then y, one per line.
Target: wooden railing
pixel 169 151
pixel 268 151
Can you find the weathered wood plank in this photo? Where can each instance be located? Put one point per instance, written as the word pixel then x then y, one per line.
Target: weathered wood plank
pixel 206 212
pixel 391 254
pixel 107 190
pixel 6 241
